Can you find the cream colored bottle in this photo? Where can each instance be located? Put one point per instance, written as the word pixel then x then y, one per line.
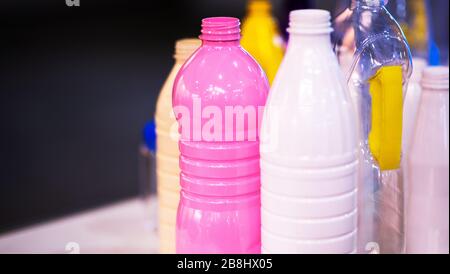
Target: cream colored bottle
pixel 167 153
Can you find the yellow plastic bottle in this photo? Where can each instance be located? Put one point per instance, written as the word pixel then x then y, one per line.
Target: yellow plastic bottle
pixel 415 27
pixel 261 37
pixel 167 153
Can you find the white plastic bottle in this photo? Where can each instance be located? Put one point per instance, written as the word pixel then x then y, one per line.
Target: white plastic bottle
pixel 309 147
pixel 427 203
pixel 411 103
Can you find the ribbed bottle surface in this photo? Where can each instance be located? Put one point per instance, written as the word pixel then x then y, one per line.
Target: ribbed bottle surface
pixel 220 201
pixel 309 148
pixel 167 154
pixel 219 210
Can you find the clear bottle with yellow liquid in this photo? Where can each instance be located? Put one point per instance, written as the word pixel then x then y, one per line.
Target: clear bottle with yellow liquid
pixel 378 75
pixel 167 153
pixel 261 37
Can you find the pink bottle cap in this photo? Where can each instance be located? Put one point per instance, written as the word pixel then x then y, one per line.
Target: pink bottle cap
pixel 220 29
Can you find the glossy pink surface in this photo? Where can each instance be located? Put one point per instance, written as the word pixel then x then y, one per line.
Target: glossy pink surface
pixel 219 210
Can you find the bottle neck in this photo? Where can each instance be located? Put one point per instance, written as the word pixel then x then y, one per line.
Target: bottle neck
pixel 259 8
pixel 184 48
pixel 212 43
pixel 435 78
pixel 310 40
pixel 310 28
pixel 368 3
pixel 220 31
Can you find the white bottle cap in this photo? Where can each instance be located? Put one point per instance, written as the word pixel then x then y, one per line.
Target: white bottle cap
pixel 311 21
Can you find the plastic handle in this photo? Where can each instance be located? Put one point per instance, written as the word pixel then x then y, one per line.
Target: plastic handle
pixel 385 137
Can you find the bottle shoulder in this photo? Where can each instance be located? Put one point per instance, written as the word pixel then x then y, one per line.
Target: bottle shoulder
pixel 228 72
pixel 309 75
pixel 224 57
pixel 259 25
pixel 432 122
pixel 309 113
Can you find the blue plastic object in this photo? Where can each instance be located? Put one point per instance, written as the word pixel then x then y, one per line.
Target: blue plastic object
pixel 434 58
pixel 149 135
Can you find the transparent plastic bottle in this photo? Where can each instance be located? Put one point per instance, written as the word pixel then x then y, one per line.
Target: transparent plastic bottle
pixel 378 75
pixel 261 37
pixel 147 164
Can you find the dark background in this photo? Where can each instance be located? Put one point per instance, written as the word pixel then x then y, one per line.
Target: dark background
pixel 77 85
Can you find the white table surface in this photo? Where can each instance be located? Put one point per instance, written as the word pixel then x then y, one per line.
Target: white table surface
pixel 124 227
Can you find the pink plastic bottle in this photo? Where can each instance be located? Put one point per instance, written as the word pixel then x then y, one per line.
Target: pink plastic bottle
pixel 218 98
